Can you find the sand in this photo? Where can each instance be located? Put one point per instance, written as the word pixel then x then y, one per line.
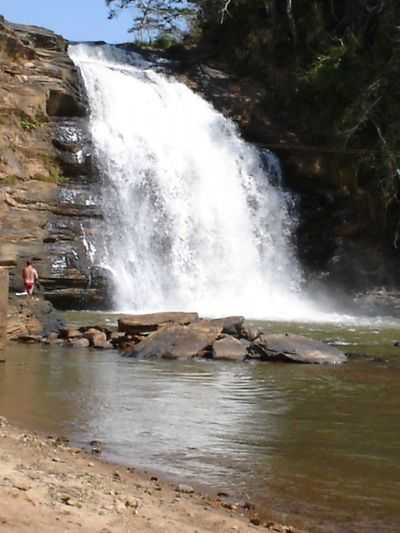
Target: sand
pixel 48 486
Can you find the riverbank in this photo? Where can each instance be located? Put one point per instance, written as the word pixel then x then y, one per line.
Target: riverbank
pixel 48 486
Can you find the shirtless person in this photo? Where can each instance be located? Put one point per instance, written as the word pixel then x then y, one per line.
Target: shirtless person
pixel 30 277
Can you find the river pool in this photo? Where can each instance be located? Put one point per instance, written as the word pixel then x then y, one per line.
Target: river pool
pixel 318 445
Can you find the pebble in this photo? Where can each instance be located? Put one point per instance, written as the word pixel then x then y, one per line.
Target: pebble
pixel 130 502
pixel 185 489
pixel 116 476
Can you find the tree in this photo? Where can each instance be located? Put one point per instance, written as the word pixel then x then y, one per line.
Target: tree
pixel 150 18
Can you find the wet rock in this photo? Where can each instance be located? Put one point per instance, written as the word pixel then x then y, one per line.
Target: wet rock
pixel 30 339
pixel 229 349
pixel 63 104
pixel 297 349
pixel 176 341
pixel 137 324
pixel 118 339
pixel 78 342
pixel 70 333
pixel 52 339
pixel 97 339
pixel 126 347
pixel 76 297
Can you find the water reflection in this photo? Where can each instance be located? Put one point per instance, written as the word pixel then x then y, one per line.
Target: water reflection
pixel 320 442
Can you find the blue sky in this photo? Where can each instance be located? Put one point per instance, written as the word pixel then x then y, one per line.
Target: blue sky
pixel 77 20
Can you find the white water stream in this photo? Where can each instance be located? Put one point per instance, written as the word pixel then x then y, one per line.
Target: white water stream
pixel 193 219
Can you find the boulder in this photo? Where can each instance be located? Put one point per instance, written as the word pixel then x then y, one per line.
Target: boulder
pixel 232 325
pixel 230 349
pixel 251 333
pixel 297 349
pixel 32 316
pixel 78 343
pixel 52 339
pixel 178 342
pixel 137 324
pixel 97 339
pixel 70 333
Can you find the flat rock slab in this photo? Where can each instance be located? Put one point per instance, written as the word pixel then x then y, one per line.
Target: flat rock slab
pixel 298 349
pixel 230 349
pixel 152 322
pixel 177 342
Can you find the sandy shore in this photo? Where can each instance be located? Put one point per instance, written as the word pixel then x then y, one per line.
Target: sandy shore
pixel 48 486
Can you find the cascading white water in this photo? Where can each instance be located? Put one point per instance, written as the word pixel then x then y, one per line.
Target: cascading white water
pixel 193 220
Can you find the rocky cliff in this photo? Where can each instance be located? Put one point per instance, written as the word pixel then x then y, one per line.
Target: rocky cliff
pixel 47 196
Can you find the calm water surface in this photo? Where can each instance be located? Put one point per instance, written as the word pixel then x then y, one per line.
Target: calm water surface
pixel 320 445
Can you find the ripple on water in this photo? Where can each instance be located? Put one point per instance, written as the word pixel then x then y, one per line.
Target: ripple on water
pixel 319 441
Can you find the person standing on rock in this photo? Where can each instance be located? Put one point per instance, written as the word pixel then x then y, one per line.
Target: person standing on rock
pixel 30 277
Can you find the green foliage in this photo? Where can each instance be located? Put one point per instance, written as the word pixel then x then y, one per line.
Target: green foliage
pixel 165 41
pixel 53 177
pixel 29 123
pixel 8 181
pixel 54 174
pixel 323 71
pixel 152 18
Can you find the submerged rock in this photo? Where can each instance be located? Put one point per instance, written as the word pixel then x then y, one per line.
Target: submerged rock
pixel 297 349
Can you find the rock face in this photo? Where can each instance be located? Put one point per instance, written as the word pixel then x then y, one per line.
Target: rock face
pixel 298 349
pixel 47 192
pixel 3 305
pixel 29 317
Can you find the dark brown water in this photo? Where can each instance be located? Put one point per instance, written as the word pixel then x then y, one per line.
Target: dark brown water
pixel 321 445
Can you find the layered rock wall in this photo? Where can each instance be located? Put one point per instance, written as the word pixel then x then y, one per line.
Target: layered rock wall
pixel 47 191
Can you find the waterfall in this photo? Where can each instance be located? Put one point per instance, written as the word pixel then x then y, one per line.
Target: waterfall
pixel 195 218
